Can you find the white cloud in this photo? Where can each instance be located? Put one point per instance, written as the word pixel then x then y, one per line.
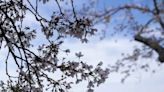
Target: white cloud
pixel 106 50
pixel 109 51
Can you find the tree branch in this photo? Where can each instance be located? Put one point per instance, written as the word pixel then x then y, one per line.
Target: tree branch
pixel 157 14
pixel 152 43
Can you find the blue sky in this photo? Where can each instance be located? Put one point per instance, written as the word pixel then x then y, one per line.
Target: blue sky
pixel 108 51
